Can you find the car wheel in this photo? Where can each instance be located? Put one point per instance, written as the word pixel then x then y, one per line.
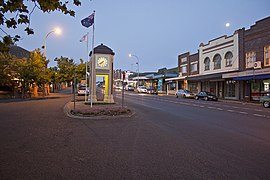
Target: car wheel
pixel 184 96
pixel 196 97
pixel 206 98
pixel 266 104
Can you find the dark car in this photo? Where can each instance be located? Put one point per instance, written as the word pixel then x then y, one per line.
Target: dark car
pixel 206 96
pixel 152 90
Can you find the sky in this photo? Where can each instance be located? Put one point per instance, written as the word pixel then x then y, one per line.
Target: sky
pixel 155 31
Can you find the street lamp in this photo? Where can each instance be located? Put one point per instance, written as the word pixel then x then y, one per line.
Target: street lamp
pixel 57 31
pixel 132 55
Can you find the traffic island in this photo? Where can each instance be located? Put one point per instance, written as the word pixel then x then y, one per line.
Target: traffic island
pixel 97 111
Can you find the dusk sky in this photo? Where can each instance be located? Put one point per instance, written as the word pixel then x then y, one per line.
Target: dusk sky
pixel 156 31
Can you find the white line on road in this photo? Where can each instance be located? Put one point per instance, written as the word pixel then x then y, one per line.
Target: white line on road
pixel 259 115
pixel 241 112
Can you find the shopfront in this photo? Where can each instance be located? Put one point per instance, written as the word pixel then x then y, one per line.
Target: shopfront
pixel 255 83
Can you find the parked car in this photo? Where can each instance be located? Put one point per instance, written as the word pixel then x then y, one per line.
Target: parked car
pixel 82 90
pixel 141 89
pixel 152 90
pixel 265 100
pixel 206 96
pixel 184 93
pixel 129 87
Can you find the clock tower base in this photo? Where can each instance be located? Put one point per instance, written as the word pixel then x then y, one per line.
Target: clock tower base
pixel 108 98
pixel 94 98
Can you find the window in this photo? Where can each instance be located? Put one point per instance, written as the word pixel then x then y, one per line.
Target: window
pixel 266 56
pixel 217 61
pixel 194 67
pixel 184 59
pixel 184 69
pixel 250 59
pixel 229 58
pixel 230 88
pixel 206 64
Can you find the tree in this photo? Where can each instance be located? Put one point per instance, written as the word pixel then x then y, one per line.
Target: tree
pixel 31 70
pixel 66 68
pixel 6 70
pixel 80 71
pixel 18 12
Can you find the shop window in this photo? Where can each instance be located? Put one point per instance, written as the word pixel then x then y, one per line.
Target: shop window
pixel 250 59
pixel 207 64
pixel 172 86
pixel 217 61
pixel 230 88
pixel 266 56
pixel 229 58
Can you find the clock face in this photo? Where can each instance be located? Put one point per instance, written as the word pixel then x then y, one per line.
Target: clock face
pixel 102 62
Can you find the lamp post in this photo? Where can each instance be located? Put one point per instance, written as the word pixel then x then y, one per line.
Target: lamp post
pixel 57 31
pixel 132 55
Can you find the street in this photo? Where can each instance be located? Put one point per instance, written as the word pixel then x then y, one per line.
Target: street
pixel 166 138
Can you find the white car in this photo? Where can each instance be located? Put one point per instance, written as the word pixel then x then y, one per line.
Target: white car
pixel 141 89
pixel 184 93
pixel 129 87
pixel 83 90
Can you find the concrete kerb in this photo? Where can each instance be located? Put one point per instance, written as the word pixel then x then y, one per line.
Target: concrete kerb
pixel 67 110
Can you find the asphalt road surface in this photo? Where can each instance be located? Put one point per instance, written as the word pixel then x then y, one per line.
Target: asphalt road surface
pixel 166 138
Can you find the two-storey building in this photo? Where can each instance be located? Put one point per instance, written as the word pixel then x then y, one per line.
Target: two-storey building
pixel 254 74
pixel 219 56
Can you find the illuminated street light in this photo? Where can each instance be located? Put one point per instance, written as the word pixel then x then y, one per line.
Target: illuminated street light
pixel 57 31
pixel 132 55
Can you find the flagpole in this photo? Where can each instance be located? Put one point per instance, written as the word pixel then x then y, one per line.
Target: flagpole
pixel 92 68
pixel 85 96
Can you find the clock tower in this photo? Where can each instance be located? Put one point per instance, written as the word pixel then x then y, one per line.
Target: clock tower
pixel 102 67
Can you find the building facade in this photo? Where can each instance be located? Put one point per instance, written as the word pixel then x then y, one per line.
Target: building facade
pixel 219 56
pixel 254 74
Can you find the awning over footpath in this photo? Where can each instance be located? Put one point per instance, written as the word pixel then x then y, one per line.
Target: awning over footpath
pixel 176 78
pixel 164 76
pixel 248 75
pixel 205 77
pixel 243 78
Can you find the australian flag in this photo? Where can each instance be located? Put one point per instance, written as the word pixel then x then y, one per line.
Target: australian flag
pixel 89 21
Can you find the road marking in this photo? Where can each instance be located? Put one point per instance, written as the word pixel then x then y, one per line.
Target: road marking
pixel 241 112
pixel 220 109
pixel 231 110
pixel 259 115
pixel 211 107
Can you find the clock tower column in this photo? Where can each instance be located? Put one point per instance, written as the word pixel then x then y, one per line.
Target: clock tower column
pixel 103 67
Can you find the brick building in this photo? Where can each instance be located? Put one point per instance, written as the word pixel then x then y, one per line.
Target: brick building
pixel 231 67
pixel 254 74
